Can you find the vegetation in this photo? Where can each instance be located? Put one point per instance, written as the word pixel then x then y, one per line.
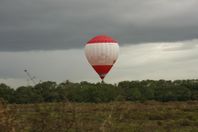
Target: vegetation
pixel 133 106
pixel 162 90
pixel 122 116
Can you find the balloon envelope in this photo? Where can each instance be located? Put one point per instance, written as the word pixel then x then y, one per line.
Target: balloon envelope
pixel 102 52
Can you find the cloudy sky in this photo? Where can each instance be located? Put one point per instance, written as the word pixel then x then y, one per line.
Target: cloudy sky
pixel 158 39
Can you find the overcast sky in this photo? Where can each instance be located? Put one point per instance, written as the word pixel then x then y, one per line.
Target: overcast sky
pixel 158 39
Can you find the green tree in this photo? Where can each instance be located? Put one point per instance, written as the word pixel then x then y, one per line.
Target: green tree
pixel 6 93
pixel 47 91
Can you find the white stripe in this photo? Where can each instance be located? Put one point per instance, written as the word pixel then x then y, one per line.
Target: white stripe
pixel 102 53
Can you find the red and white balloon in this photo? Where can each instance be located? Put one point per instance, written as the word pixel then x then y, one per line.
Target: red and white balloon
pixel 102 52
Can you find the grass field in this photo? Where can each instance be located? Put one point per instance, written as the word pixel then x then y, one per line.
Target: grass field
pixel 108 117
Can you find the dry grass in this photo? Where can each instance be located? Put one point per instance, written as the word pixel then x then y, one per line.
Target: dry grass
pixel 7 120
pixel 107 117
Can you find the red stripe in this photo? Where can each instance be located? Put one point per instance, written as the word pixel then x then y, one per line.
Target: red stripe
pixel 102 70
pixel 101 39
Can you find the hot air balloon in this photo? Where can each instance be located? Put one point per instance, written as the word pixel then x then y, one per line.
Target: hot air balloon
pixel 102 52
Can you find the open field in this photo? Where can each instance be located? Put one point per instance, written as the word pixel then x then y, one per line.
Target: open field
pixel 116 116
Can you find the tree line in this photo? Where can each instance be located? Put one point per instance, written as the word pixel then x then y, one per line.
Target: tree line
pixel 49 91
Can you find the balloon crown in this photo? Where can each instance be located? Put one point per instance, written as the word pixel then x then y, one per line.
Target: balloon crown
pixel 102 39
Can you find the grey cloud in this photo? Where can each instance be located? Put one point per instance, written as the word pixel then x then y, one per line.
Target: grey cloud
pixel 181 46
pixel 135 62
pixel 65 24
